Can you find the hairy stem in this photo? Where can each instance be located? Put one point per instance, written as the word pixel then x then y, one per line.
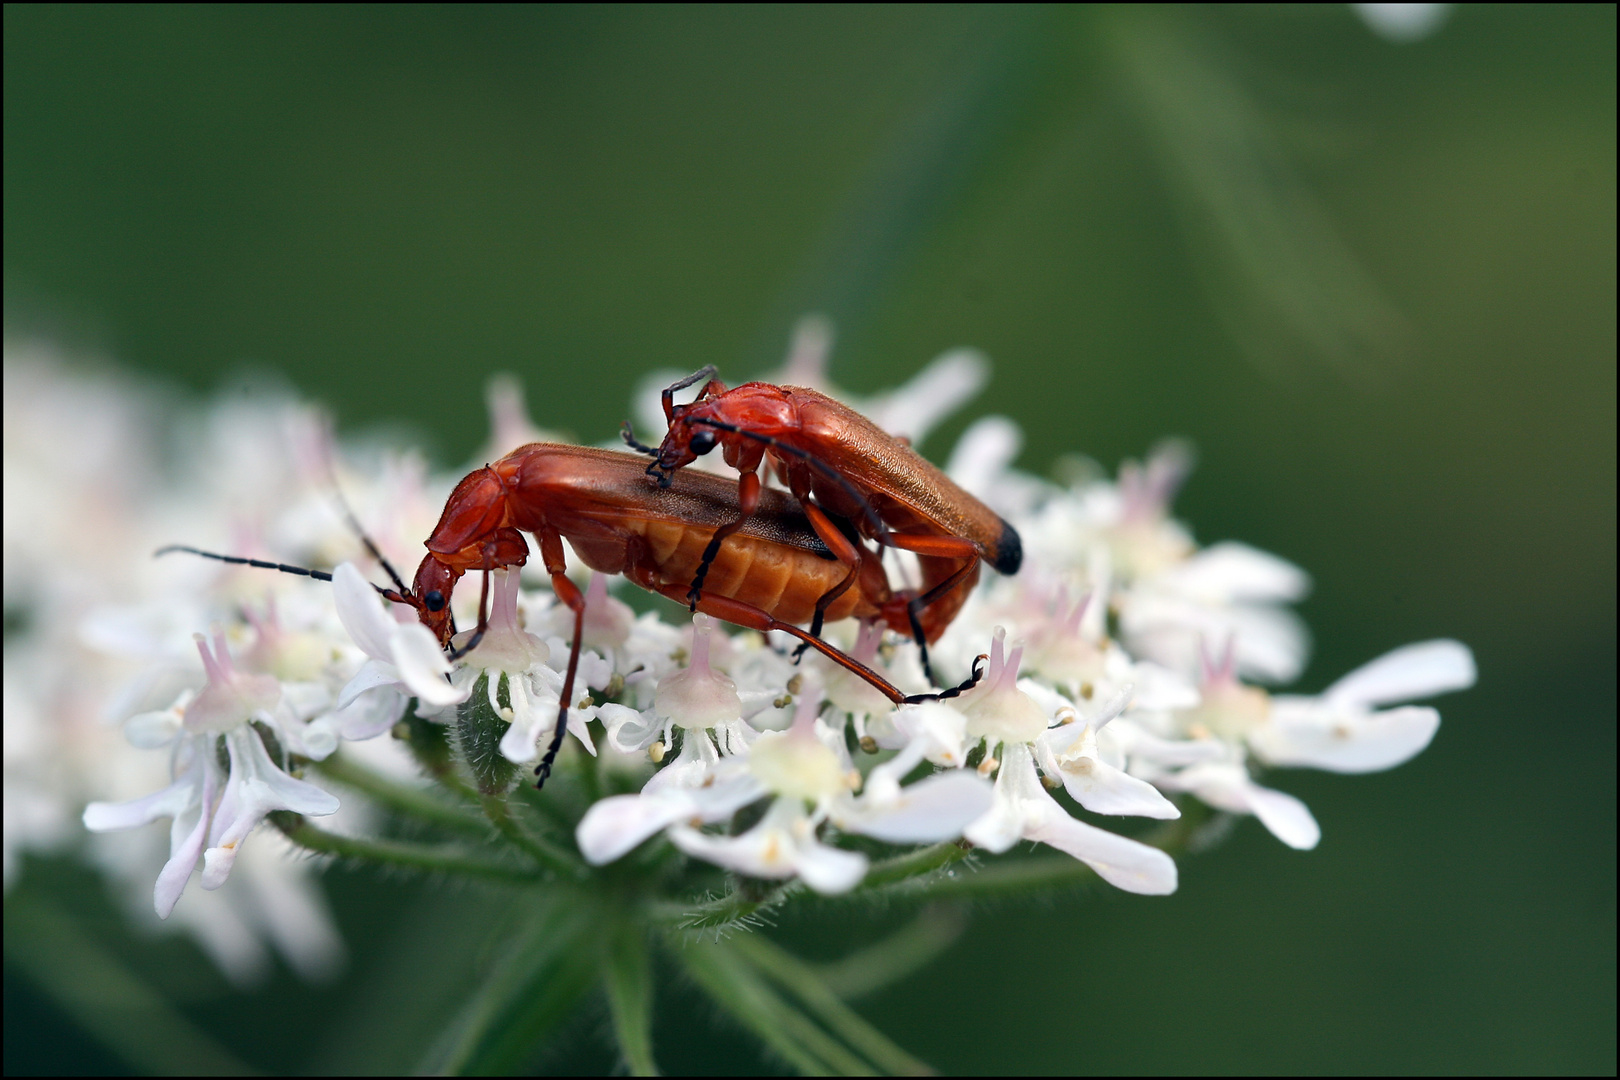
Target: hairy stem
pixel 444 860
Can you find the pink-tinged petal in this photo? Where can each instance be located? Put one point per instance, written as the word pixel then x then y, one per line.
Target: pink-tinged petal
pixel 614 826
pixel 935 808
pixel 1407 674
pixel 361 612
pixel 186 837
pixel 422 667
pixel 1123 863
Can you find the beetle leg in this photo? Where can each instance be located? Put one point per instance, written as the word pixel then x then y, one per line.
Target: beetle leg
pixel 747 615
pixel 551 553
pixel 847 552
pixel 747 500
pixel 950 547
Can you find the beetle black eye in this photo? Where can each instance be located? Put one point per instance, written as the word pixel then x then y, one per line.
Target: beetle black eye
pixel 434 600
pixel 701 443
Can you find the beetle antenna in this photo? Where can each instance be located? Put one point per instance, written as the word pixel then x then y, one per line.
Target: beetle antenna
pixel 359 531
pixel 260 564
pixel 629 437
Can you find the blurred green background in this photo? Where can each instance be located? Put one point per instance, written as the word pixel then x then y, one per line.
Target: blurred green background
pixel 1375 283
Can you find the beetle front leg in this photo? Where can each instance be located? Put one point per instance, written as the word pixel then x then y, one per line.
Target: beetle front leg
pixel 748 488
pixel 847 552
pixel 551 553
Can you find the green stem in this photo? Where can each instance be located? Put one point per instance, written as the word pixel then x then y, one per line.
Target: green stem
pixel 394 853
pixel 800 980
pixel 904 952
pixel 534 984
pixel 737 987
pixel 1022 875
pixel 913 864
pixel 401 798
pixel 547 855
pixel 107 999
pixel 628 977
pixel 733 908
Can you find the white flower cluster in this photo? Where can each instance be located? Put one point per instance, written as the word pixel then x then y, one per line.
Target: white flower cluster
pixel 1115 660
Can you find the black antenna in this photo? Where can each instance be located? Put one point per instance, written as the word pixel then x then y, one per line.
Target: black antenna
pixel 359 530
pixel 238 560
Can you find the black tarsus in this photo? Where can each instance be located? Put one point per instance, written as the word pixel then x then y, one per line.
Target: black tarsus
pixel 483 614
pixel 707 371
pixel 960 688
pixel 629 436
pixel 542 771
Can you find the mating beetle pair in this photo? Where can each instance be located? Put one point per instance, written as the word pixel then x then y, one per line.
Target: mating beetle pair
pixel 744 554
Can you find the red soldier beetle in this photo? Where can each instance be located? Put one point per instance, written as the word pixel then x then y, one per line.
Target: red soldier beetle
pixel 775 573
pixel 839 463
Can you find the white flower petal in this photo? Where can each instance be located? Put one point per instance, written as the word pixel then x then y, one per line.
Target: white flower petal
pixel 255 788
pixel 422 666
pixel 614 826
pixel 935 808
pixel 985 450
pixel 628 731
pixel 829 870
pixel 152 730
pixel 1407 674
pixel 171 802
pixel 780 846
pixel 1122 862
pixel 372 674
pixel 1103 789
pixel 1288 819
pixel 361 611
pixel 1227 786
pixel 1353 742
pixel 368 714
pixel 932 394
pixel 1234 573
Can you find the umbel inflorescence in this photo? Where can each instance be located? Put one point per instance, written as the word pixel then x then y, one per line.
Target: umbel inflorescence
pixel 703 765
